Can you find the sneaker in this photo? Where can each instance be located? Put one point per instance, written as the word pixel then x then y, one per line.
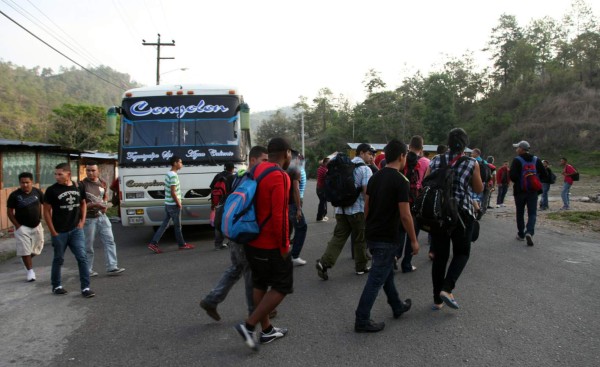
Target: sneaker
pixel 276 333
pixel 298 261
pixel 449 300
pixel 529 239
pixel 363 271
pixel 186 246
pixel 247 335
pixel 115 271
pixel 369 327
pixel 154 248
pixel 497 206
pixel 503 205
pixel 220 247
pixel 30 275
pixel 59 290
pixel 405 307
pixel 519 238
pixel 88 293
pixel 93 273
pixel 412 268
pixel 325 219
pixel 210 310
pixel 322 270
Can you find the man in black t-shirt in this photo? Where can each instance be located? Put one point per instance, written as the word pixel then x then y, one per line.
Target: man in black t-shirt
pixel 24 211
pixel 64 212
pixel 386 206
pixel 297 221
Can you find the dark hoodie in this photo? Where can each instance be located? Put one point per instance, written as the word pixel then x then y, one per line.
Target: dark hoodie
pixel 515 171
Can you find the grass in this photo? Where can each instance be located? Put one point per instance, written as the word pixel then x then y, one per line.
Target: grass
pixel 586 218
pixel 7 255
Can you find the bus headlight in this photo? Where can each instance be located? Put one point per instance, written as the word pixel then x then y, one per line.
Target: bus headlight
pixel 135 211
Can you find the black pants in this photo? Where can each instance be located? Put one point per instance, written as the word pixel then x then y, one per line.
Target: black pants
pixel 445 280
pixel 322 209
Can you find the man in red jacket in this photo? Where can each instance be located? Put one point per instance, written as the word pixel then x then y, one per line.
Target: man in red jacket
pixel 272 269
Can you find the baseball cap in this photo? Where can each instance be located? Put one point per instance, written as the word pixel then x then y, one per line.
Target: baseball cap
pixel 277 145
pixel 363 147
pixel 522 144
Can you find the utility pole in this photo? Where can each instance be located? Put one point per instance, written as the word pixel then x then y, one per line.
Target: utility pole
pixel 158 58
pixel 302 131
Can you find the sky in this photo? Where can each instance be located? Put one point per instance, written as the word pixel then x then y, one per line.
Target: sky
pixel 272 51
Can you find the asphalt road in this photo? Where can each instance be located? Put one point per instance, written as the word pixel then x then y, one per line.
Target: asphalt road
pixel 520 306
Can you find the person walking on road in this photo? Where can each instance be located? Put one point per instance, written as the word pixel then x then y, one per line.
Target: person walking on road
pixel 351 220
pixel 96 196
pixel 64 213
pixel 321 173
pixel 502 181
pixel 24 210
pixel 467 178
pixel 549 180
pixel 172 208
pixel 568 172
pixel 523 165
pixel 239 264
pixel 220 187
pixel 386 208
pixel 268 254
pixel 297 220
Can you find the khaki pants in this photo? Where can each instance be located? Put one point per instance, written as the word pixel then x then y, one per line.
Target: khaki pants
pixel 346 225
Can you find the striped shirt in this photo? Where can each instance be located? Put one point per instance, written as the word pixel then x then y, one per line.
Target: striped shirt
pixel 462 177
pixel 302 182
pixel 172 179
pixel 362 175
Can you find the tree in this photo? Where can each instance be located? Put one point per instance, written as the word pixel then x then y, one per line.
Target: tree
pixel 277 125
pixel 78 126
pixel 503 42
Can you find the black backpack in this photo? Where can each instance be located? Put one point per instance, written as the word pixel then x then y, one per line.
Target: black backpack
pixel 486 172
pixel 340 189
pixel 436 208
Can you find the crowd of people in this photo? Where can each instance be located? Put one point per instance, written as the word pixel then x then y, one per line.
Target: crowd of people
pixel 380 221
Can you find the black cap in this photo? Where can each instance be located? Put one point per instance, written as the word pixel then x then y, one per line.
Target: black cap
pixel 277 145
pixel 229 166
pixel 364 147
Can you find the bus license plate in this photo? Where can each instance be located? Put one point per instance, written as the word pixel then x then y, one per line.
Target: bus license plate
pixel 136 220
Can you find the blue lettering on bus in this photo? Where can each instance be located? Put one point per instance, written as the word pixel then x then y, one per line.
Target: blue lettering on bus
pixel 142 108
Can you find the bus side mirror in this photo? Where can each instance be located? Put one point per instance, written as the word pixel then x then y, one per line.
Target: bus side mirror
pixel 111 121
pixel 245 116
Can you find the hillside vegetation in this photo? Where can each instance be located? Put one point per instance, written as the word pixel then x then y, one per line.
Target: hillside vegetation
pixel 543 88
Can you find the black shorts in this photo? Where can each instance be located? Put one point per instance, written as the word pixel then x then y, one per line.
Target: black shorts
pixel 270 269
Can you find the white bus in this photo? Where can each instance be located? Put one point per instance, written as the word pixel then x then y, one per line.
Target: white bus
pixel 205 125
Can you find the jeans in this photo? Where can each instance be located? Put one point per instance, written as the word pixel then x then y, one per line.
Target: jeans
pixel 300 228
pixel 104 227
pixel 322 208
pixel 74 239
pixel 381 275
pixel 544 202
pixel 442 279
pixel 172 212
pixel 405 249
pixel 564 194
pixel 345 225
pixel 239 266
pixel 529 200
pixel 502 190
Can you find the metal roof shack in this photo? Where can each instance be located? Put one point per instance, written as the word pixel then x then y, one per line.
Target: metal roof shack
pixel 37 158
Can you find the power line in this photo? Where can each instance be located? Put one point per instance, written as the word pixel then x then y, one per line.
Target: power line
pixel 62 54
pixel 36 21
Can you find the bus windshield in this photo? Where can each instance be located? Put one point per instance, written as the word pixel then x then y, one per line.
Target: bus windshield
pixel 164 133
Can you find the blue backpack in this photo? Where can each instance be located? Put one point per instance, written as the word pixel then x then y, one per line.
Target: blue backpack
pixel 239 216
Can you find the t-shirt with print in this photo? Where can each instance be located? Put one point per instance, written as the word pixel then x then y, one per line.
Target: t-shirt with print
pixel 66 205
pixel 386 189
pixel 27 206
pixel 172 179
pixel 94 193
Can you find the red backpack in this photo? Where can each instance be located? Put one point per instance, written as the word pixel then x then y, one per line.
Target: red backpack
pixel 218 192
pixel 530 181
pixel 411 171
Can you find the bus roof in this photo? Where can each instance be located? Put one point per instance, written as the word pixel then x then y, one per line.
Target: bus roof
pixel 199 89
